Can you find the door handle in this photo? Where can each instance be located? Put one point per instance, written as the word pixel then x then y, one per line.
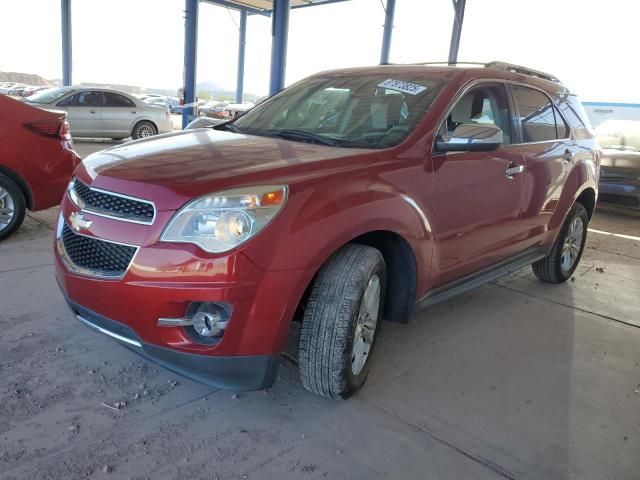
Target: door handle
pixel 513 170
pixel 568 155
pixel 134 112
pixel 92 111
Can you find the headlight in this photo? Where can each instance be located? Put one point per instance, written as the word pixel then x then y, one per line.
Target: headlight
pixel 222 221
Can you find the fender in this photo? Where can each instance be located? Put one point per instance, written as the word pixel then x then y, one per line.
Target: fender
pixel 583 176
pixel 22 184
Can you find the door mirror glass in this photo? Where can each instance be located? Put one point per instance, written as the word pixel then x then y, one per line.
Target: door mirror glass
pixel 471 137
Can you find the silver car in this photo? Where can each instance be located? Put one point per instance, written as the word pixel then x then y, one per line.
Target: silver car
pixel 105 113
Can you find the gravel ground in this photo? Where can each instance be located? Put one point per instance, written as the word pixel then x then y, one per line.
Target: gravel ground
pixel 515 380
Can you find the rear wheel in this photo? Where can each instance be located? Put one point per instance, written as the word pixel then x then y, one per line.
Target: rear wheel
pixel 559 265
pixel 12 207
pixel 143 129
pixel 340 323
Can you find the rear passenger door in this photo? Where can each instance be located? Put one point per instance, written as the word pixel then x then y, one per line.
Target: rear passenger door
pixel 118 114
pixel 548 151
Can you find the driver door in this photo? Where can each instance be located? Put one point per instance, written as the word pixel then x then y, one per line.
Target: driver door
pixel 478 194
pixel 84 113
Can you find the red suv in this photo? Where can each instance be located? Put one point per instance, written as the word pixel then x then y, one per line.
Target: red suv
pixel 351 197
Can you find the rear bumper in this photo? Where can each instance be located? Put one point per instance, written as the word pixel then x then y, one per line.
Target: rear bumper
pixel 254 372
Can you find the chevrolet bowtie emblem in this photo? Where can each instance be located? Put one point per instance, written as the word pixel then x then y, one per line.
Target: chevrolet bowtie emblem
pixel 78 222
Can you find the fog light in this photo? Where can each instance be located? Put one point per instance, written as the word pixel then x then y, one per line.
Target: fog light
pixel 210 320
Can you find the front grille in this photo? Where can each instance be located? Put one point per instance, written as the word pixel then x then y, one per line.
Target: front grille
pixel 113 205
pixel 97 257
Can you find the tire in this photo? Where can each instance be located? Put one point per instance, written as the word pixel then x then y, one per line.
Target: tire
pixel 13 207
pixel 334 318
pixel 143 129
pixel 557 267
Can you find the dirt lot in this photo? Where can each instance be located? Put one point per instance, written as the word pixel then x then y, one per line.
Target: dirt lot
pixel 515 380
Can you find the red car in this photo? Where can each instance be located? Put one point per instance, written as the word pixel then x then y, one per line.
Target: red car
pixel 36 161
pixel 350 197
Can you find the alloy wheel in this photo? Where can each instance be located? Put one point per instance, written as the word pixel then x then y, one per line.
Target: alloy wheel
pixel 7 209
pixel 366 325
pixel 145 131
pixel 572 244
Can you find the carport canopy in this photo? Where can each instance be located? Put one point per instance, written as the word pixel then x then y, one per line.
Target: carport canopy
pixel 278 10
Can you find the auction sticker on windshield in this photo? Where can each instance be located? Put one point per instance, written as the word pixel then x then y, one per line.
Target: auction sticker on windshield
pixel 402 86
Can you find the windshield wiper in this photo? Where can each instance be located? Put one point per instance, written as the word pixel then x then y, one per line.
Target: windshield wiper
pixel 299 135
pixel 229 126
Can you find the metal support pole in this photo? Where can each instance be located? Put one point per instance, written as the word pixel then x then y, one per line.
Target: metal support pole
pixel 190 56
pixel 241 49
pixel 458 17
pixel 65 11
pixel 388 29
pixel 279 33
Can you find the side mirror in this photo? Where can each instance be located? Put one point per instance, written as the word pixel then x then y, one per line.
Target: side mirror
pixel 471 137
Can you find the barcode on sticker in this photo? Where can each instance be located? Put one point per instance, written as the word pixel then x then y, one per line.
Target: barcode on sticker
pixel 402 86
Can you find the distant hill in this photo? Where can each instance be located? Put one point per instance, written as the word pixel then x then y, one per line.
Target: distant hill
pixel 28 78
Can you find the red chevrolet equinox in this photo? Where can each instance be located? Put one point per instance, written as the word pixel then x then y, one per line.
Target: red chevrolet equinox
pixel 351 197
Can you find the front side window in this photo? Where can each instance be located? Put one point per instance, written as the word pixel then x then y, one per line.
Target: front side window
pixel 116 100
pixel 481 105
pixel 87 99
pixel 536 115
pixel 356 111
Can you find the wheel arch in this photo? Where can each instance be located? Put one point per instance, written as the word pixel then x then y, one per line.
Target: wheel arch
pixel 22 184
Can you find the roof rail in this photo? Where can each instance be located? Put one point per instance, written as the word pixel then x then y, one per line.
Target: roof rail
pixel 500 66
pixel 523 70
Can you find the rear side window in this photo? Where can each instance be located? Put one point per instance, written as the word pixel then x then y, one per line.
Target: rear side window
pixel 115 100
pixel 562 129
pixel 536 115
pixel 573 111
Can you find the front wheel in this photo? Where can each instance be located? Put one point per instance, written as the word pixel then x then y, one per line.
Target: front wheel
pixel 12 207
pixel 341 319
pixel 559 265
pixel 143 129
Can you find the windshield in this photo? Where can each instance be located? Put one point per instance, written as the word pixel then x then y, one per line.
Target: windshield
pixel 357 111
pixel 50 95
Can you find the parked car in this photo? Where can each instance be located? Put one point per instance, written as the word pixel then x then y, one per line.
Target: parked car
pixel 6 88
pixel 620 172
pixel 213 109
pixel 350 197
pixel 173 104
pixel 105 113
pixel 36 161
pixel 17 89
pixel 27 92
pixel 234 110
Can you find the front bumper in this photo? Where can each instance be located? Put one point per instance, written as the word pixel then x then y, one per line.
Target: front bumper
pixel 619 193
pixel 162 281
pixel 235 373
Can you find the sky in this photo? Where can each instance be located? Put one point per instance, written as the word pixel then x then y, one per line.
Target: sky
pixel 591 45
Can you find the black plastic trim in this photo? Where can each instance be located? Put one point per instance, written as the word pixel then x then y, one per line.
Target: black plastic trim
pixel 240 373
pixel 481 277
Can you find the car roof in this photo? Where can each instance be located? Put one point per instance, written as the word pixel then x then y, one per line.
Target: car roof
pixel 456 73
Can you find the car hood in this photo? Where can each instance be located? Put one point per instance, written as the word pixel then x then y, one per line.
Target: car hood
pixel 174 168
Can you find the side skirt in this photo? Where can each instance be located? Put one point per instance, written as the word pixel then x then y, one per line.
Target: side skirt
pixel 481 277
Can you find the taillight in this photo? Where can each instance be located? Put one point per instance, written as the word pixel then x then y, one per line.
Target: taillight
pixel 51 129
pixel 65 131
